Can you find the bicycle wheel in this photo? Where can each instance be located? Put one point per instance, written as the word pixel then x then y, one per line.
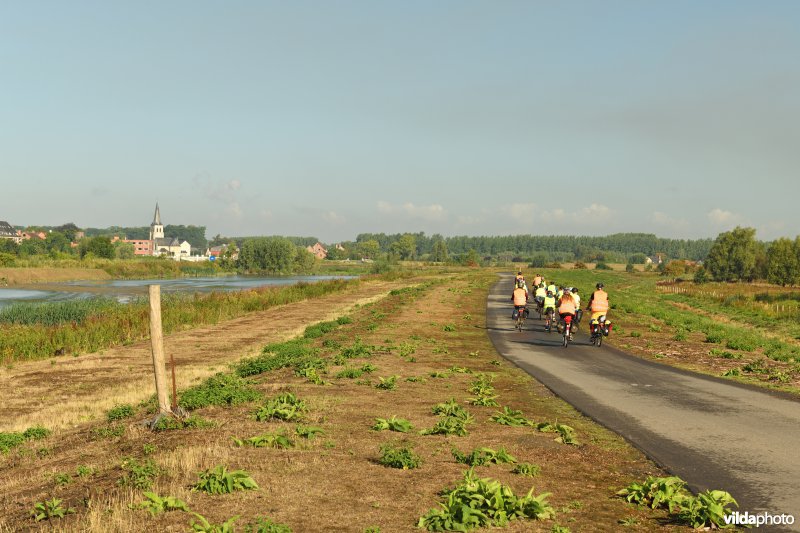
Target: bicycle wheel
pixel 599 340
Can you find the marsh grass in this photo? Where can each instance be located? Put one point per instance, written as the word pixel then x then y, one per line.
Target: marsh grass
pixel 90 325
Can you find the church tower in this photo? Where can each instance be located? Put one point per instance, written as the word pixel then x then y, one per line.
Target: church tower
pixel 156 228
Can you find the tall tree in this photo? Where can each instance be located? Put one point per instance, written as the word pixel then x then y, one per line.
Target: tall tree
pixel 439 252
pixel 733 255
pixel 783 266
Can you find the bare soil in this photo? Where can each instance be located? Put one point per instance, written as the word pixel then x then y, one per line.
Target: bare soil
pixel 332 483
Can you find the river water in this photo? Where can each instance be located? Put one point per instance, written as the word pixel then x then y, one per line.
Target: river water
pixel 125 290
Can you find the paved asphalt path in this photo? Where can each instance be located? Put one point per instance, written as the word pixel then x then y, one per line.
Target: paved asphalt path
pixel 713 433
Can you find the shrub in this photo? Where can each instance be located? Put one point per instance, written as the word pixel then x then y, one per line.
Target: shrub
pixel 395 456
pixel 392 424
pixel 221 390
pixel 119 412
pixel 267 440
pixel 138 475
pixel 602 266
pixel 50 509
pixel 156 504
pixel 526 469
pixel 483 456
pixel 283 407
pixel 481 503
pixel 219 481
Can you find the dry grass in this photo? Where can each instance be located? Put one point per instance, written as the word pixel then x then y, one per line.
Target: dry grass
pixel 15 276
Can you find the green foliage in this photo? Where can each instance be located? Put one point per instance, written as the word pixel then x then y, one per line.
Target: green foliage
pixel 138 475
pixel 119 412
pixel 783 263
pixel 602 266
pixel 733 255
pixel 395 456
pixel 357 350
pixel 56 313
pixel 286 407
pixel 481 503
pixel 220 389
pixel 319 329
pixel 219 480
pixel 108 432
pixel 351 373
pixel 309 432
pixel 275 255
pixel 483 456
pixel 449 327
pixel 204 526
pixel 275 356
pixel 11 440
pixel 267 440
pixel 156 504
pixel 707 509
pixel 526 469
pixel 392 424
pixel 50 509
pixel 263 524
pixel 166 423
pixel 511 417
pixel 454 420
pixel 566 435
pixel 389 383
pixel 36 433
pixel 62 478
pixel 84 471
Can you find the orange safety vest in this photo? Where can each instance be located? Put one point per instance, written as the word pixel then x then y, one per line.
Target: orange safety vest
pixel 537 280
pixel 599 301
pixel 567 306
pixel 520 297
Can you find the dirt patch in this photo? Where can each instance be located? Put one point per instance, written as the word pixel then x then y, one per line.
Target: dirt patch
pixel 437 338
pixel 17 276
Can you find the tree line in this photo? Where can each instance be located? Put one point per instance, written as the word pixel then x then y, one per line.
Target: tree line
pixel 736 255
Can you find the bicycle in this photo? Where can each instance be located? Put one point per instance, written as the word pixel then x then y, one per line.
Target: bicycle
pixel 548 324
pixel 520 312
pixel 567 334
pixel 598 330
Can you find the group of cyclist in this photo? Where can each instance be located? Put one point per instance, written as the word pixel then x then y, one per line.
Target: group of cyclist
pixel 551 298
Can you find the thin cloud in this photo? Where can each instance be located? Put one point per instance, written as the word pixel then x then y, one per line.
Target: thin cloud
pixel 721 217
pixel 424 212
pixel 333 217
pixel 522 213
pixel 664 220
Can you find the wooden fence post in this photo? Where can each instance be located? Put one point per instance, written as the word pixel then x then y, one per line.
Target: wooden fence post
pixel 157 345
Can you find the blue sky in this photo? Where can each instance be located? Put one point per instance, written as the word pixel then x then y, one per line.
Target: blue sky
pixel 679 118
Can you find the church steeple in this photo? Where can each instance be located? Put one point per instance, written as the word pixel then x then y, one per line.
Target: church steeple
pixel 156 228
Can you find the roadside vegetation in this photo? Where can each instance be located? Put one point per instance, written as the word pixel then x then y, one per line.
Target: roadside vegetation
pixel 305 421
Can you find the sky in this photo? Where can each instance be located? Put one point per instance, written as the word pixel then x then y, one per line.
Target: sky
pixel 330 119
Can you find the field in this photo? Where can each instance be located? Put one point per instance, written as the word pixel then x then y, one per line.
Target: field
pixel 391 357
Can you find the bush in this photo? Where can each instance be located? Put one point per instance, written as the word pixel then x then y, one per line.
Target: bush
pixel 118 412
pixel 221 390
pixel 602 266
pixel 580 265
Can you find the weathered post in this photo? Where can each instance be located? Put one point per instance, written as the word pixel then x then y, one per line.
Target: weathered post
pixel 157 345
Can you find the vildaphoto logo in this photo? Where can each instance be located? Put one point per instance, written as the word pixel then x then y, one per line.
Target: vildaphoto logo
pixel 758 519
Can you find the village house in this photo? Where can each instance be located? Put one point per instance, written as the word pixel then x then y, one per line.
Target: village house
pixel 218 251
pixel 7 231
pixel 28 235
pixel 318 250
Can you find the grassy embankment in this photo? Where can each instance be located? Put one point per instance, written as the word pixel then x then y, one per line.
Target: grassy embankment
pixel 38 331
pixel 746 332
pixel 320 458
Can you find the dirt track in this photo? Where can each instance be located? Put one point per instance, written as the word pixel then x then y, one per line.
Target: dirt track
pixel 63 391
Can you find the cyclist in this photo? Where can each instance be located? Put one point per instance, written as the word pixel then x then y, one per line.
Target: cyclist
pixel 518 278
pixel 552 288
pixel 539 294
pixel 598 305
pixel 578 310
pixel 537 279
pixel 549 305
pixel 520 299
pixel 566 309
